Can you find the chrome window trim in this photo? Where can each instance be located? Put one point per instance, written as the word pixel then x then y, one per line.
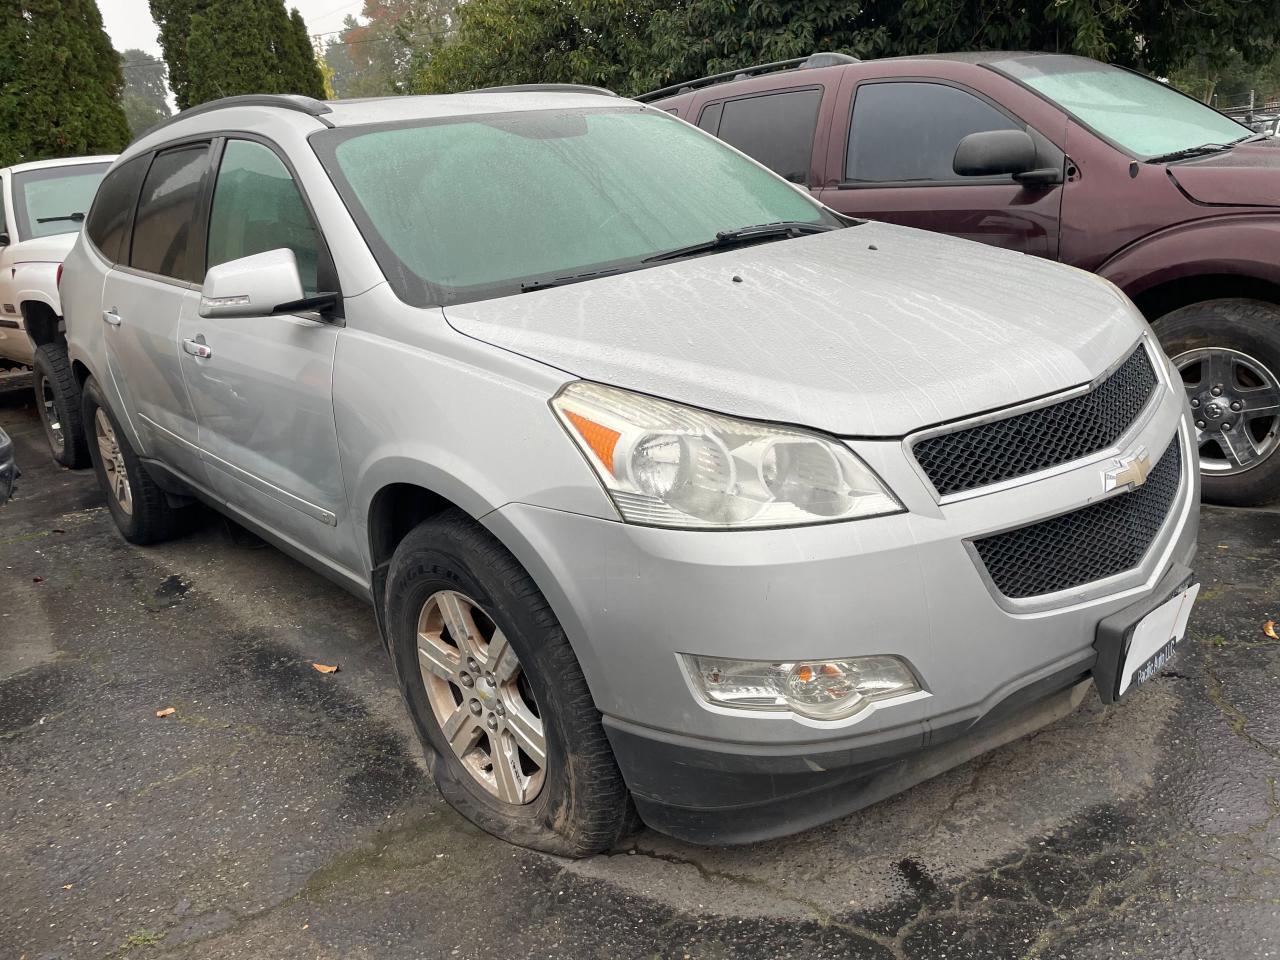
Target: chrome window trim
pixel 1143 417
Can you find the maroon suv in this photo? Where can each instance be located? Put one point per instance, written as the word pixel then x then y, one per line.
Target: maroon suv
pixel 1061 157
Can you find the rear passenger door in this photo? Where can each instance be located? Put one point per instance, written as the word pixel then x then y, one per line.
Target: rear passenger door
pixel 153 285
pixel 777 128
pixel 262 387
pixel 897 166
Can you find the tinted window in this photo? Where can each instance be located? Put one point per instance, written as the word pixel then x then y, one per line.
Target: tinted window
pixel 112 211
pixel 55 199
pixel 910 131
pixel 710 119
pixel 258 207
pixel 164 235
pixel 776 129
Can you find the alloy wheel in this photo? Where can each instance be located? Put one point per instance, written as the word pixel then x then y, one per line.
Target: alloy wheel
pixel 481 697
pixel 1235 400
pixel 49 416
pixel 113 461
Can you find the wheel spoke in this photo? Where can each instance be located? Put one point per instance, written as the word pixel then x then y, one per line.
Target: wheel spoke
pixel 461 730
pixel 106 451
pixel 1239 447
pixel 526 730
pixel 435 660
pixel 457 617
pixel 1261 401
pixel 501 660
pixel 1218 369
pixel 506 772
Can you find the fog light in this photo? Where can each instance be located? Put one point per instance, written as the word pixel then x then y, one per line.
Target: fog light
pixel 820 689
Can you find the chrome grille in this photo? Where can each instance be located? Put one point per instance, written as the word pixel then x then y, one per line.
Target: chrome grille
pixel 1103 539
pixel 1038 439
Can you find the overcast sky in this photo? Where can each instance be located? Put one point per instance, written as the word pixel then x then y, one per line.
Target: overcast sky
pixel 129 22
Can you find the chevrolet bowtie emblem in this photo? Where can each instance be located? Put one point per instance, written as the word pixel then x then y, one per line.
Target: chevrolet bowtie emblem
pixel 1129 471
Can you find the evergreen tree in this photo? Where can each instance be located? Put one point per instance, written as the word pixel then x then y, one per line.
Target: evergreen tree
pixel 146 95
pixel 173 17
pixel 229 51
pixel 62 97
pixel 304 72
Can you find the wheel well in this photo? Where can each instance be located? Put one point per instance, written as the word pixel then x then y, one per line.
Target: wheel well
pixel 1157 301
pixel 81 372
pixel 397 509
pixel 41 322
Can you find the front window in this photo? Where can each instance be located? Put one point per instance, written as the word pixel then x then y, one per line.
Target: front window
pixel 1141 116
pixel 55 199
pixel 480 206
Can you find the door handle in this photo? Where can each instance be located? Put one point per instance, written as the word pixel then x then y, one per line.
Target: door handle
pixel 111 317
pixel 197 348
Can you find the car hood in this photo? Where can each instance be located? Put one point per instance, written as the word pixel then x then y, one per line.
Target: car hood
pixel 874 330
pixel 51 249
pixel 1245 176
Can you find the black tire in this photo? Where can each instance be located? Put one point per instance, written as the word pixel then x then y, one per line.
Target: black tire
pixel 583 806
pixel 53 372
pixel 151 518
pixel 1251 327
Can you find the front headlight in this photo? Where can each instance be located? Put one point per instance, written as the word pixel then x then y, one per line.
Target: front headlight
pixel 668 465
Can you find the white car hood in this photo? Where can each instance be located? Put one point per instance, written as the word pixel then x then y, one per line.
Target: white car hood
pixel 51 249
pixel 875 330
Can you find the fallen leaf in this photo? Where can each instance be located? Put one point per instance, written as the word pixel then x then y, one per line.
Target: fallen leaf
pixel 167 711
pixel 37 579
pixel 1269 628
pixel 325 668
pixel 66 886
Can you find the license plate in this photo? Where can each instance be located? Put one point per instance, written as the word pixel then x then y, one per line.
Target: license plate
pixel 1155 639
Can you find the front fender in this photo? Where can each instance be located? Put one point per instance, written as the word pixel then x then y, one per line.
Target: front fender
pixel 37 283
pixel 1241 245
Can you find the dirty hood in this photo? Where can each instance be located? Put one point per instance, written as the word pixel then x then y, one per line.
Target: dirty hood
pixel 874 330
pixel 1247 175
pixel 51 249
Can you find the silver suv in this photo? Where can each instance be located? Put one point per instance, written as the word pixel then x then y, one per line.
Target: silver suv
pixel 675 493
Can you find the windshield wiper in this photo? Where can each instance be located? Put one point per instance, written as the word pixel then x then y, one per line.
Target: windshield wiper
pixel 782 230
pixel 77 217
pixel 1200 151
pixel 531 285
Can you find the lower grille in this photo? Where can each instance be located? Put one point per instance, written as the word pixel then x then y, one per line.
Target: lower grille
pixel 1075 548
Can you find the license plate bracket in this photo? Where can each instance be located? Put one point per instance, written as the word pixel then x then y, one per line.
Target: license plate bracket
pixel 1133 644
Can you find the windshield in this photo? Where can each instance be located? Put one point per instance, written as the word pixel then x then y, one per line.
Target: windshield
pixel 55 199
pixel 476 207
pixel 1141 116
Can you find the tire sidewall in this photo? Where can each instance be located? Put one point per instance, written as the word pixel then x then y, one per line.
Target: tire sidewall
pixel 92 402
pixel 1251 327
pixel 448 564
pixel 73 452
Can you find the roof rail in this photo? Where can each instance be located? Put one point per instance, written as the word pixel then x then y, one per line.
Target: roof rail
pixel 287 101
pixel 545 88
pixel 811 62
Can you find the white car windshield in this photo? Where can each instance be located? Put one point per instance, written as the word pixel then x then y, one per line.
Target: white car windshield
pixel 54 199
pixel 475 207
pixel 1143 117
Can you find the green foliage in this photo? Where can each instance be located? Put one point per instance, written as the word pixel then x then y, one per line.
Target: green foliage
pixel 382 55
pixel 173 17
pixel 600 42
pixel 145 98
pixel 61 82
pixel 245 46
pixel 634 46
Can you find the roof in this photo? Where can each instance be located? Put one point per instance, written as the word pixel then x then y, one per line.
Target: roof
pixel 59 162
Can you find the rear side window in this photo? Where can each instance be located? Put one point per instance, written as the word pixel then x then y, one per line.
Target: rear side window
pixel 776 129
pixel 112 212
pixel 165 236
pixel 257 207
pixel 903 132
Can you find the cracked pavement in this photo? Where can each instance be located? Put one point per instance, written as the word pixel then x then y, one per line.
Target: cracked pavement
pixel 284 813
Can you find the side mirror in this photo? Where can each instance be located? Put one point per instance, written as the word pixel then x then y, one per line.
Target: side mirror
pixel 994 152
pixel 261 285
pixel 4 239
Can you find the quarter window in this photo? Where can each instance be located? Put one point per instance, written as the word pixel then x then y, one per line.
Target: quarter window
pixel 776 129
pixel 257 207
pixel 112 212
pixel 904 132
pixel 165 239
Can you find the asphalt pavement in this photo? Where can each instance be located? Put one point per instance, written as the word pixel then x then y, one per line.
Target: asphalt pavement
pixel 279 812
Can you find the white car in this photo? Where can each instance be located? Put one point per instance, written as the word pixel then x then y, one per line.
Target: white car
pixel 43 205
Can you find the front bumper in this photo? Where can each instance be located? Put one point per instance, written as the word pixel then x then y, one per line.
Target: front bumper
pixel 633 599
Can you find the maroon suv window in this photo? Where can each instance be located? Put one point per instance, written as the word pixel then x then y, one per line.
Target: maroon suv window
pixel 908 131
pixel 775 128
